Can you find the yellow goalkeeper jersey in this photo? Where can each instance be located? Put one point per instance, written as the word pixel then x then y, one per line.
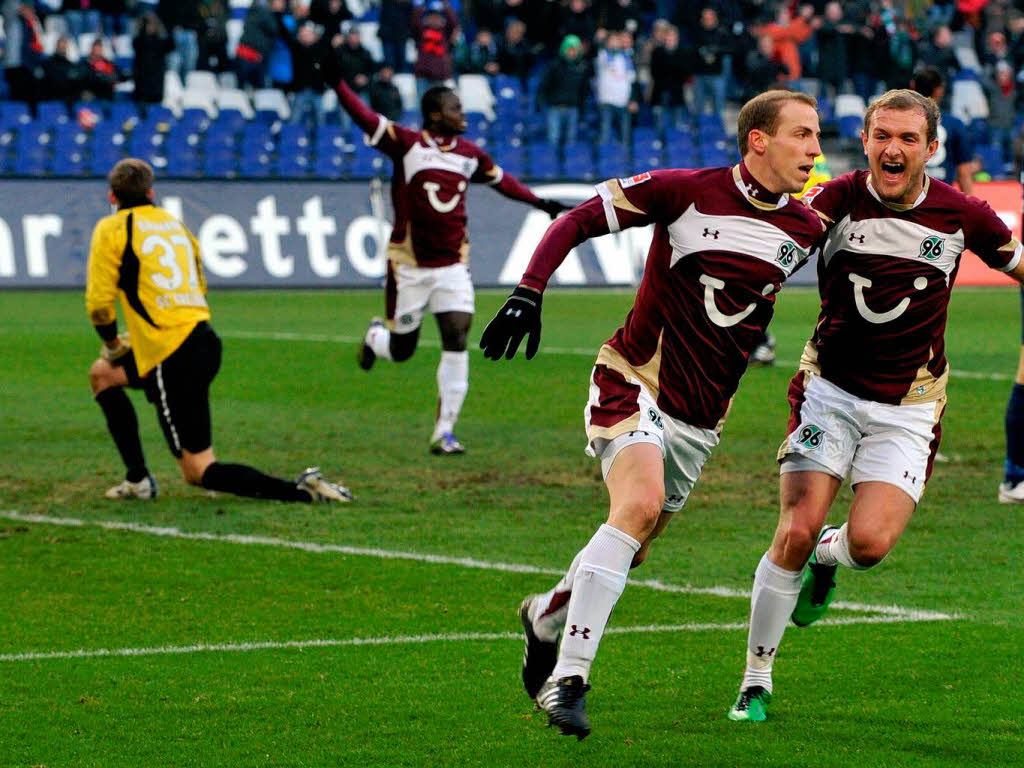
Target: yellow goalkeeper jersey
pixel 149 260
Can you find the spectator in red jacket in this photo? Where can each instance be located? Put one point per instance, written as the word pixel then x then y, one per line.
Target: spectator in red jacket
pixel 435 29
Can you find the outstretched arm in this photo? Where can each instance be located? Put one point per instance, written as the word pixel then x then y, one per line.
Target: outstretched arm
pixel 519 318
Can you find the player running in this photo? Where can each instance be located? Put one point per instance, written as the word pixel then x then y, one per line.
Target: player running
pixel 148 260
pixel 725 241
pixel 871 388
pixel 428 255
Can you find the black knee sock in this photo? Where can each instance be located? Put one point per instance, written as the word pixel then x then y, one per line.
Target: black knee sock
pixel 124 428
pixel 243 480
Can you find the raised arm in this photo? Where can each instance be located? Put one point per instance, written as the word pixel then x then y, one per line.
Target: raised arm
pixel 488 172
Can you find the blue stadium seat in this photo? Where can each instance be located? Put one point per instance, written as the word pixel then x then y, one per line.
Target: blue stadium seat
pixel 13 114
pixel 366 165
pixel 220 166
pixel 329 165
pixel 291 165
pixel 30 164
pixel 254 166
pixel 194 119
pixel 992 159
pixel 578 164
pixel 979 131
pixel 293 137
pixel 68 164
pixel 330 138
pixel 850 126
pixel 230 120
pixel 51 113
pixel 182 164
pixel 509 157
pixel 612 160
pixel 122 112
pixel 542 161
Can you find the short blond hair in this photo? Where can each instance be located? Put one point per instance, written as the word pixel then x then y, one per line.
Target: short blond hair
pixel 131 180
pixel 906 99
pixel 761 113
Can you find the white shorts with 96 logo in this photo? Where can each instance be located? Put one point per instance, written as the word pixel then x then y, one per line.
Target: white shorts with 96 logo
pixel 846 436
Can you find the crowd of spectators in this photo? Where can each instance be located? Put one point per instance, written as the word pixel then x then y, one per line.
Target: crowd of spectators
pixel 600 63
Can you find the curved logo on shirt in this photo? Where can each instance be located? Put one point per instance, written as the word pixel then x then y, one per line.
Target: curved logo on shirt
pixel 432 188
pixel 860 283
pixel 787 253
pixel 932 247
pixel 711 284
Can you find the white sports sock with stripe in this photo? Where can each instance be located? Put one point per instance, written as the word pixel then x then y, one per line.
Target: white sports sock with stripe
pixel 772 600
pixel 597 585
pixel 549 610
pixel 378 338
pixel 834 549
pixel 452 386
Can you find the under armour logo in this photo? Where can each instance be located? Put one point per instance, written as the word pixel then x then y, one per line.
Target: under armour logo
pixel 710 233
pixel 514 312
pixel 751 190
pixel 911 478
pixel 858 238
pixel 675 498
pixel 762 652
pixel 576 631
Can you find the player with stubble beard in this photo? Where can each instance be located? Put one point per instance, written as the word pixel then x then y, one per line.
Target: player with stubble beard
pixel 725 241
pixel 868 398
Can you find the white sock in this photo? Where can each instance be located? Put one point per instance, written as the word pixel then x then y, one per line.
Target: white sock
pixel 772 600
pixel 834 549
pixel 549 610
pixel 599 580
pixel 378 337
pixel 452 386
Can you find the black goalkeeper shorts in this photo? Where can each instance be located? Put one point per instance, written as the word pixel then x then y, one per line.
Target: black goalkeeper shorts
pixel 179 388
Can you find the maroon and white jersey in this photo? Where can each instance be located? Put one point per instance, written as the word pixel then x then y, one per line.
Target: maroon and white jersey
pixel 722 248
pixel 428 186
pixel 428 191
pixel 885 277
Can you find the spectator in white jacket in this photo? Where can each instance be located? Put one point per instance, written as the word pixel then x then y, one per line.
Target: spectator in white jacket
pixel 615 82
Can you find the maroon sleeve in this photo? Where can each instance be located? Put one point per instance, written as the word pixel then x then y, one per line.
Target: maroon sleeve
pixel 381 133
pixel 565 233
pixel 489 172
pixel 989 237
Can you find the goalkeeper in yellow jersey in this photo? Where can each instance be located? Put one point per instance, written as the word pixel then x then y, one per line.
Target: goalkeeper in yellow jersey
pixel 147 259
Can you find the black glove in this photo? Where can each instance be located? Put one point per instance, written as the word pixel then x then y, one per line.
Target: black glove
pixel 552 207
pixel 518 317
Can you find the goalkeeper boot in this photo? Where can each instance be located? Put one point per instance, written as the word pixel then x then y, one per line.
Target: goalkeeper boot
pixel 563 701
pixel 446 445
pixel 144 489
pixel 366 357
pixel 322 491
pixel 1011 493
pixel 818 587
pixel 750 705
pixel 539 656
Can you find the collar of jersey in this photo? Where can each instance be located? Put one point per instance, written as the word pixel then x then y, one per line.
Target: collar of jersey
pixel 899 206
pixel 739 171
pixel 433 143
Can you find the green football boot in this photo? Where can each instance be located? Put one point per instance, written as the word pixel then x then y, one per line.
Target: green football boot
pixel 818 587
pixel 751 705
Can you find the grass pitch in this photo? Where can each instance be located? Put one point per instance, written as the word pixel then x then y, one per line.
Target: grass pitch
pixel 201 631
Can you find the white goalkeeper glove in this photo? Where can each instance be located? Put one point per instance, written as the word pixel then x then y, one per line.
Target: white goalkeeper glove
pixel 117 355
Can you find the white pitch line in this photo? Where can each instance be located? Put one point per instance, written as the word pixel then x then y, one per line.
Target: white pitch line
pixel 264 645
pixel 465 562
pixel 572 351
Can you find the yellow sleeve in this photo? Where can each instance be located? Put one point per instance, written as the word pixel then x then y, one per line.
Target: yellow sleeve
pixel 103 271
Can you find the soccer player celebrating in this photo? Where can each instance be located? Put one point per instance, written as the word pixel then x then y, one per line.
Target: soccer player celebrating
pixel 148 260
pixel 428 256
pixel 871 389
pixel 725 240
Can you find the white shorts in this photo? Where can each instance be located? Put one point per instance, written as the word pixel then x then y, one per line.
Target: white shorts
pixel 846 436
pixel 621 413
pixel 437 289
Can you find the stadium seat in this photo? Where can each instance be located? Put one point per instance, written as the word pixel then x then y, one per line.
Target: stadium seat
pixel 234 99
pixel 271 102
pixel 255 166
pixel 406 85
pixel 367 165
pixel 220 166
pixel 369 38
pixel 849 104
pixel 51 113
pixel 330 165
pixel 201 100
pixel 68 164
pixel 476 95
pixel 578 163
pixel 992 160
pixel 173 89
pixel 542 162
pixel 292 165
pixel 228 121
pixel 122 112
pixel 200 81
pixel 967 101
pixel 30 164
pixel 850 127
pixel 612 161
pixel 293 138
pixel 13 113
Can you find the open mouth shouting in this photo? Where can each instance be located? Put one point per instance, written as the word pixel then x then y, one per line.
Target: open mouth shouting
pixel 806 169
pixel 892 171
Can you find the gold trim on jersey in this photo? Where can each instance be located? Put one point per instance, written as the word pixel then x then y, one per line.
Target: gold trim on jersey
pixel 647 374
pixel 401 252
pixel 809 359
pixel 900 206
pixel 433 143
pixel 628 424
pixel 619 199
pixel 926 387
